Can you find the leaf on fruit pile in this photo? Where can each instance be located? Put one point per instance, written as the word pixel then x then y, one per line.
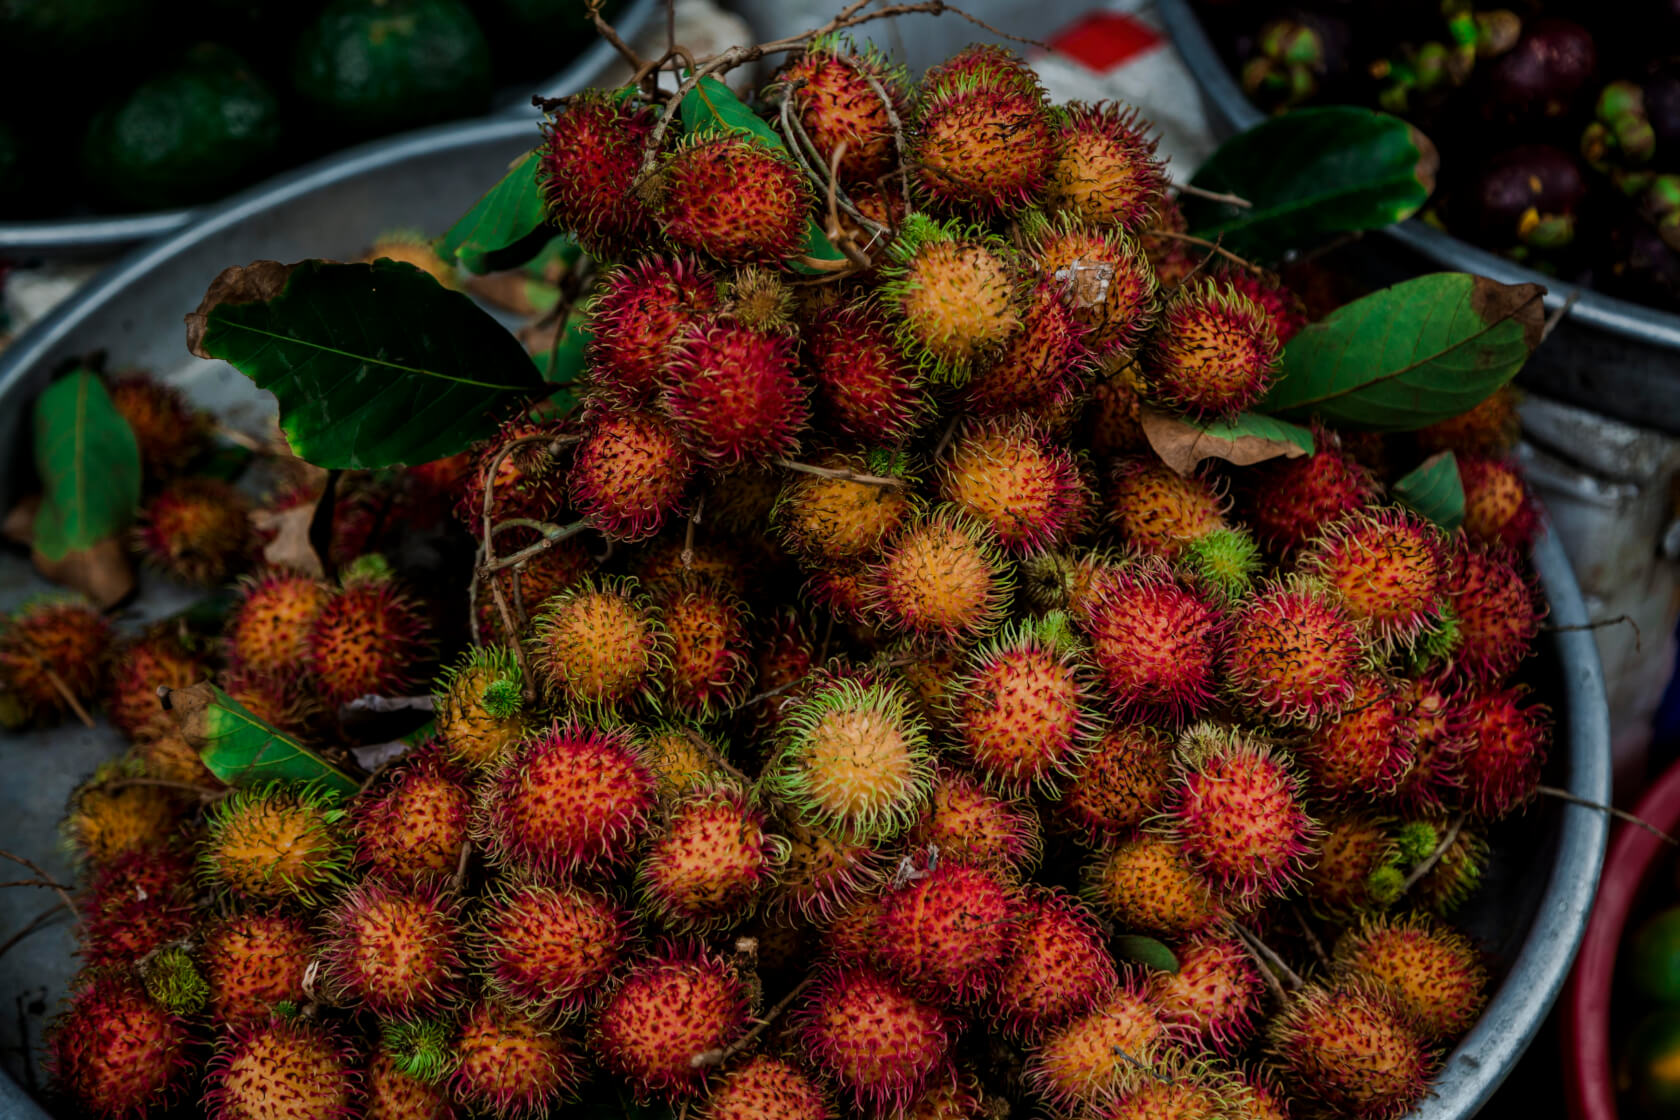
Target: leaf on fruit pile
pixel 1411 355
pixel 497 232
pixel 374 365
pixel 1244 440
pixel 242 750
pixel 1435 490
pixel 1310 175
pixel 1146 951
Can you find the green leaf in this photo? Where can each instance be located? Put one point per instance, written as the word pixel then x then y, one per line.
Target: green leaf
pixel 1310 175
pixel 1243 440
pixel 510 212
pixel 1411 355
pixel 374 365
pixel 1435 490
pixel 1146 951
pixel 242 750
pixel 89 462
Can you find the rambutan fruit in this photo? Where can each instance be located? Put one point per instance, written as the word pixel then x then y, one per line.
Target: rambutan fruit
pixel 1156 509
pixel 1155 643
pixel 540 578
pixel 763 1087
pixel 52 641
pixel 1119 783
pixel 1457 874
pixel 268 628
pixel 853 759
pixel 640 311
pixel 1106 172
pixel 1292 653
pixel 1059 967
pixel 1040 367
pixel 480 703
pixel 838 96
pixel 822 873
pixel 570 798
pixel 1289 501
pixel 135 904
pixel 114 1053
pixel 1023 714
pixel 1212 353
pixel 549 949
pixel 108 818
pixel 1213 1001
pixel 394 951
pixel 1113 421
pixel 739 501
pixel 671 564
pixel 1147 883
pixel 197 530
pixel 1011 479
pixel 1262 1097
pixel 853 935
pixel 680 757
pixel 930 670
pixel 865 388
pixel 161 751
pixel 391 1094
pixel 669 1009
pixel 834 520
pixel 1348 1049
pixel 711 860
pixel 734 395
pixel 947 934
pixel 283 1068
pixel 942 577
pixel 273 844
pixel 254 961
pixel 1432 712
pixel 971 825
pixel 282 700
pixel 528 480
pixel 1171 1085
pixel 1226 562
pixel 959 1099
pixel 592 157
pixel 169 432
pixel 1355 866
pixel 1497 609
pixel 1285 309
pixel 171 978
pixel 511 1067
pixel 598 645
pixel 1490 429
pixel 983 147
pixel 879 1044
pixel 844 593
pixel 1105 276
pixel 955 293
pixel 1508 739
pixel 1362 753
pixel 1498 508
pixel 629 473
pixel 139 667
pixel 708 668
pixel 733 198
pixel 369 639
pixel 981 66
pixel 1089 1058
pixel 1431 971
pixel 1389 568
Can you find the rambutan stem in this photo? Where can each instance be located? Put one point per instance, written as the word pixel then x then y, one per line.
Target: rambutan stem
pixel 45 880
pixel 1213 196
pixel 718 1057
pixel 513 631
pixel 1173 235
pixel 69 697
pixel 1600 625
pixel 1619 814
pixel 1270 957
pixel 839 472
pixel 611 35
pixel 1427 864
pixel 1557 317
pixel 552 535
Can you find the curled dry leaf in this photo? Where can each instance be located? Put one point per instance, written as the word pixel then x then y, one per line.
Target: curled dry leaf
pixel 248 283
pixel 1244 441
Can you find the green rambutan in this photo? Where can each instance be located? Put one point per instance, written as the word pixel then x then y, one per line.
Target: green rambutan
pixel 480 707
pixel 274 844
pixel 114 1053
pixel 1362 753
pixel 763 1087
pixel 733 198
pixel 1508 737
pixel 822 873
pixel 1106 172
pixel 825 520
pixel 852 759
pixel 1213 352
pixel 549 949
pixel 528 481
pixel 1147 883
pixel 511 1067
pixel 668 1010
pixel 282 1068
pixel 268 628
pixel 1389 568
pixel 1155 642
pixel 1491 429
pixel 865 388
pixel 641 310
pixel 1225 562
pixel 170 434
pixel 877 1042
pixel 1119 783
pixel 712 859
pixel 1086 1060
pixel 570 798
pixel 1457 874
pixel 197 530
pixel 1498 508
pixel 734 395
pixel 981 66
pixel 60 639
pixel 1348 1049
pixel 254 961
pixel 1289 501
pixel 598 645
pixel 172 980
pixel 1040 367
pixel 1159 511
pixel 1106 278
pixel 1213 1001
pixel 1431 971
pixel 591 159
pixel 1292 653
pixel 394 951
pixel 369 639
pixel 108 818
pixel 1009 478
pixel 708 670
pixel 845 98
pixel 981 146
pixel 1058 968
pixel 971 825
pixel 955 294
pixel 947 933
pixel 139 667
pixel 391 1094
pixel 942 577
pixel 1498 611
pixel 629 474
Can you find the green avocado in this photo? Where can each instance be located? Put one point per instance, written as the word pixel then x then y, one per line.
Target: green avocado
pixel 371 66
pixel 185 136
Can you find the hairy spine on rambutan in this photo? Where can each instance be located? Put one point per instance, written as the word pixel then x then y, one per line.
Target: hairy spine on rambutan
pixel 947 934
pixel 1059 967
pixel 972 825
pixel 843 97
pixel 598 645
pixel 60 638
pixel 1212 1000
pixel 1084 1061
pixel 1213 352
pixel 877 1042
pixel 1497 608
pixel 275 843
pixel 865 387
pixel 1120 782
pixel 115 1053
pixel 549 949
pixel 1041 367
pixel 734 198
pixel 943 577
pixel 369 639
pixel 590 162
pixel 734 395
pixel 711 860
pixel 1159 511
pixel 1155 642
pixel 1431 971
pixel 640 311
pixel 1389 568
pixel 955 294
pixel 1507 735
pixel 197 530
pixel 1293 653
pixel 512 1067
pixel 1011 478
pixel 283 1065
pixel 1107 172
pixel 1289 501
pixel 1347 1048
pixel 1148 883
pixel 629 474
pixel 671 1007
pixel 254 961
pixel 984 146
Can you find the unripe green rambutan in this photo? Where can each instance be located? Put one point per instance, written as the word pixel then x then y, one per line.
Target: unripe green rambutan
pixel 1059 967
pixel 1107 172
pixel 708 670
pixel 114 1053
pixel 971 825
pixel 254 961
pixel 139 667
pixel 835 520
pixel 268 628
pixel 56 636
pixel 108 818
pixel 1292 653
pixel 570 798
pixel 480 705
pixel 982 147
pixel 629 473
pixel 598 645
pixel 1348 1049
pixel 1120 783
pixel 591 159
pixel 1431 971
pixel 981 66
pixel 877 1042
pixel 1094 1055
pixel 169 432
pixel 1212 353
pixel 283 1068
pixel 1155 642
pixel 852 759
pixel 1147 883
pixel 1225 562
pixel 1011 479
pixel 391 1094
pixel 1354 859
pixel 1290 501
pixel 549 949
pixel 1498 611
pixel 713 858
pixel 766 1088
pixel 640 312
pixel 942 577
pixel 1458 872
pixel 1041 367
pixel 274 844
pixel 1389 568
pixel 1107 280
pixel 1361 753
pixel 528 479
pixel 1501 770
pixel 837 103
pixel 369 639
pixel 734 396
pixel 511 1067
pixel 173 981
pixel 865 387
pixel 822 873
pixel 411 821
pixel 1160 511
pixel 667 1010
pixel 1498 508
pixel 955 294
pixel 733 198
pixel 197 530
pixel 395 951
pixel 947 934
pixel 134 904
pixel 1023 714
pixel 1213 1001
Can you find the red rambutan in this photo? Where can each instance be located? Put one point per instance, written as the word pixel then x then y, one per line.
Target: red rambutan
pixel 1158 510
pixel 136 903
pixel 139 667
pixel 734 396
pixel 878 1043
pixel 1281 305
pixel 865 388
pixel 1507 737
pixel 942 577
pixel 1120 783
pixel 410 824
pixel 369 639
pixel 971 825
pixel 1040 367
pixel 708 669
pixel 1498 508
pixel 1212 353
pixel 1107 280
pixel 766 1088
pixel 733 198
pixel 1497 609
pixel 668 1010
pixel 268 628
pixel 169 432
pixel 1292 653
pixel 1289 501
pixel 1147 883
pixel 1389 568
pixel 394 951
pixel 1059 967
pixel 1362 753
pixel 947 934
pixel 53 641
pixel 197 530
pixel 1010 478
pixel 1348 1049
pixel 254 961
pixel 1213 1001
pixel 1432 972
pixel 1155 642
pixel 283 1068
pixel 592 158
pixel 115 1054
pixel 822 873
pixel 641 309
pixel 598 645
pixel 1107 172
pixel 528 481
pixel 629 474
pixel 710 862
pixel 549 949
pixel 511 1067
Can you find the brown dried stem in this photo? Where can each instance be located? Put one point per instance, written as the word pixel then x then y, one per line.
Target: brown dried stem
pixel 1173 235
pixel 839 472
pixel 1266 952
pixel 718 1057
pixel 1619 814
pixel 1428 863
pixel 42 879
pixel 1212 196
pixel 611 35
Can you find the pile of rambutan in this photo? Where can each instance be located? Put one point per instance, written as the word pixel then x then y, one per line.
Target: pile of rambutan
pixel 872 725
